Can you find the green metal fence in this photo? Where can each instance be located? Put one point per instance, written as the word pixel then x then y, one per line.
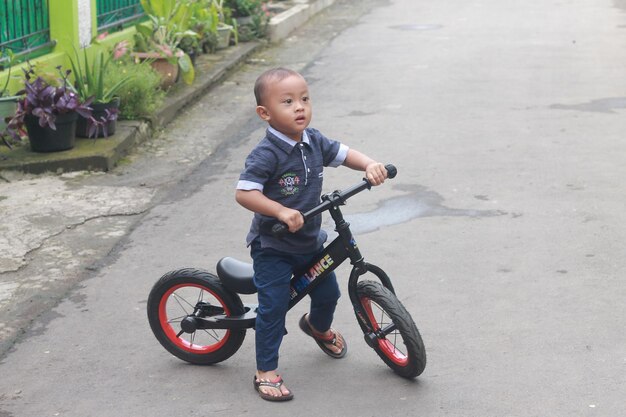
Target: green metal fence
pixel 25 26
pixel 116 14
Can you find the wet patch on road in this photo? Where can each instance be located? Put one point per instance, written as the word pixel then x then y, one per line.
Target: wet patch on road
pixel 359 113
pixel 601 105
pixel 419 202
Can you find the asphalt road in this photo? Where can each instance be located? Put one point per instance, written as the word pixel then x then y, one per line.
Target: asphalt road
pixel 502 232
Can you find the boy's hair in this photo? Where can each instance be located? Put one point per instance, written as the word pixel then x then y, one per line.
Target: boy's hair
pixel 272 75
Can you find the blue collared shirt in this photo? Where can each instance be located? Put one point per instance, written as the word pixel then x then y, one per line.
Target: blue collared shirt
pixel 291 174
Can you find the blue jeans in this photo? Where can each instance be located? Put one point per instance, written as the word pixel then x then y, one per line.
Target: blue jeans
pixel 272 272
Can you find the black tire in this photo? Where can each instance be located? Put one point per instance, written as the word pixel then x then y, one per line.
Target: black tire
pixel 402 349
pixel 173 297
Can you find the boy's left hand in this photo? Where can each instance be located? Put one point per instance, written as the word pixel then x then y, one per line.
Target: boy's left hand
pixel 376 173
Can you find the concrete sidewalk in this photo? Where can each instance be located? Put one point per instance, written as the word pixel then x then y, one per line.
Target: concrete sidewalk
pixel 104 154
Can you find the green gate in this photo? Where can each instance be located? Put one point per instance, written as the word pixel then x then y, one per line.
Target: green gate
pixel 116 14
pixel 25 27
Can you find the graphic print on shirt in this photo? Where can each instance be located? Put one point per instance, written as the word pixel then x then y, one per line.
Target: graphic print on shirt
pixel 289 182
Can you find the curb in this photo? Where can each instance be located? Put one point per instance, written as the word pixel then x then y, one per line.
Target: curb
pixel 284 23
pixel 104 154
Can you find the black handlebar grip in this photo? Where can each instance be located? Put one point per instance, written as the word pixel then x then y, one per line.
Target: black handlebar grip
pixel 280 229
pixel 392 171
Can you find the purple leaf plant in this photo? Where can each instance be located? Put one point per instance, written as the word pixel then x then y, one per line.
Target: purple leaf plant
pixel 45 101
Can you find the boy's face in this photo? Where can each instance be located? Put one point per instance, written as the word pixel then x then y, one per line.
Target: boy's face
pixel 287 106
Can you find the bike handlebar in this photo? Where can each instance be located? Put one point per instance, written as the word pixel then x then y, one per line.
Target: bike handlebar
pixel 337 198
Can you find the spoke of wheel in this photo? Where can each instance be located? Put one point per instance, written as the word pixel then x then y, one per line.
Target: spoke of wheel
pixel 391 328
pixel 200 296
pixel 382 317
pixel 177 319
pixel 213 335
pixel 193 336
pixel 178 299
pixel 395 340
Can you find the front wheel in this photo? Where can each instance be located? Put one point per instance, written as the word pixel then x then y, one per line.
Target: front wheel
pixel 392 332
pixel 193 293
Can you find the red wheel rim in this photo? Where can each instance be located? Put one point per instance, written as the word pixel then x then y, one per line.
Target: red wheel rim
pixel 214 340
pixel 386 346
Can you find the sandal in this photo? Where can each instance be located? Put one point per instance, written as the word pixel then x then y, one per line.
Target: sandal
pixel 306 328
pixel 277 383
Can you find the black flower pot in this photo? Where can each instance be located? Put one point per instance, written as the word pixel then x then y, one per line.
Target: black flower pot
pixel 99 112
pixel 45 139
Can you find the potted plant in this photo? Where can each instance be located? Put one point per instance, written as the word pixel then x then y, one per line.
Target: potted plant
pixel 223 30
pixel 48 111
pixel 244 10
pixel 190 44
pixel 159 41
pixel 8 103
pixel 250 18
pixel 204 23
pixel 91 84
pixel 141 97
pixel 207 31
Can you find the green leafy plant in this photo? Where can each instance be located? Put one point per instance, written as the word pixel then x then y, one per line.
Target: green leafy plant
pixel 176 13
pixel 242 8
pixel 8 103
pixel 256 18
pixel 141 96
pixel 191 45
pixel 204 21
pixel 260 23
pixel 219 7
pixel 8 59
pixel 89 74
pixel 164 43
pixel 224 22
pixel 169 22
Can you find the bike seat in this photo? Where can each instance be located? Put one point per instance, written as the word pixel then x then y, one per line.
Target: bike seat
pixel 236 275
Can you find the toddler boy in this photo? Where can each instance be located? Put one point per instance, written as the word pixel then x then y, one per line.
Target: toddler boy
pixel 281 179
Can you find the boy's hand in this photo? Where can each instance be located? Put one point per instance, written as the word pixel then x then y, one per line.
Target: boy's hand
pixel 375 173
pixel 292 218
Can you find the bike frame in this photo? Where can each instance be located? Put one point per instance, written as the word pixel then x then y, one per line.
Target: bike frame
pixel 305 279
pixel 343 247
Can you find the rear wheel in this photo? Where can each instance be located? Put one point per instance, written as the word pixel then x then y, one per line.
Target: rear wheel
pixel 193 293
pixel 393 334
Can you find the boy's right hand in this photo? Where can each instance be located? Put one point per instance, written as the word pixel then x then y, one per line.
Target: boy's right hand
pixel 292 218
